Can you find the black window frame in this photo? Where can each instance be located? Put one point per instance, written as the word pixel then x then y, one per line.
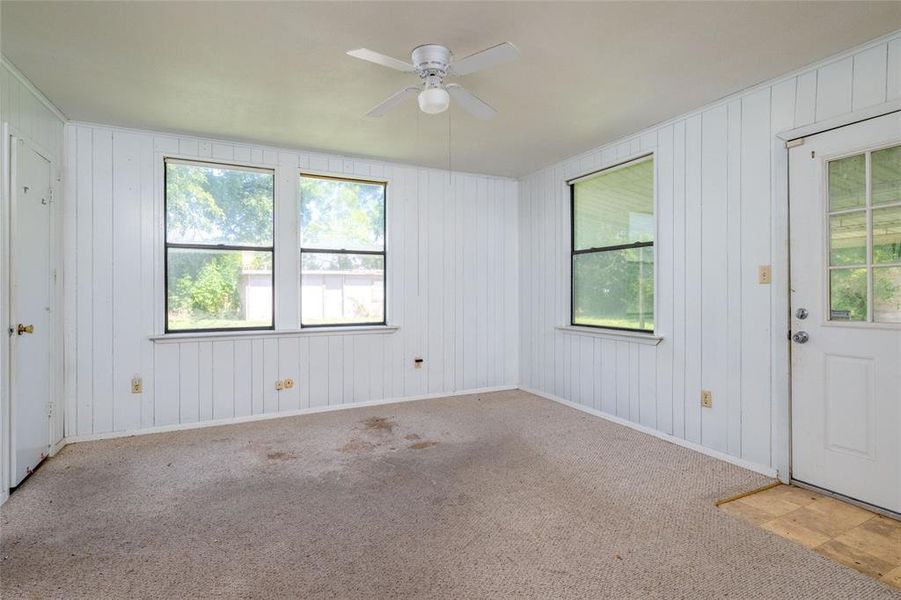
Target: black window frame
pixel 383 253
pixel 599 249
pixel 167 245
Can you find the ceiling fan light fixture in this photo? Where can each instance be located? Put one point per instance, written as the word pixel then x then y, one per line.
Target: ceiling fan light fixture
pixel 434 100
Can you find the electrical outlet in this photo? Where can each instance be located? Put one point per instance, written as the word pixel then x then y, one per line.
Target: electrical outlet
pixel 137 385
pixel 417 363
pixel 764 274
pixel 279 384
pixel 706 398
pixel 288 383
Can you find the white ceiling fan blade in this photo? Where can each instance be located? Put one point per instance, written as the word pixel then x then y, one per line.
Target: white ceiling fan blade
pixel 470 102
pixel 381 59
pixel 392 101
pixel 496 55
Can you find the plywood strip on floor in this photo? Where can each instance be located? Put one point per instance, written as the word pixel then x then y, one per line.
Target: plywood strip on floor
pixel 855 537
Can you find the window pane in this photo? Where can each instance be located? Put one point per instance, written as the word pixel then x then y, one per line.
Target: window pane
pixel 341 215
pixel 219 289
pixel 342 288
pixel 614 288
pixel 887 294
pixel 848 293
pixel 848 244
pixel 847 182
pixel 615 207
pixel 886 166
pixel 215 204
pixel 887 235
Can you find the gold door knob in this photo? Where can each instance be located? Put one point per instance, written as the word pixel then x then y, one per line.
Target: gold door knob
pixel 24 329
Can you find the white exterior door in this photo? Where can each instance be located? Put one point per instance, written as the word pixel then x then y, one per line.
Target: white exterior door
pixel 30 306
pixel 845 206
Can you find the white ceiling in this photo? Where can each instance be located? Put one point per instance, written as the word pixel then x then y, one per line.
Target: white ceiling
pixel 276 73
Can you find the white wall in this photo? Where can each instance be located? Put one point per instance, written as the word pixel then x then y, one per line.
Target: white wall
pixel 719 212
pixel 30 116
pixel 452 290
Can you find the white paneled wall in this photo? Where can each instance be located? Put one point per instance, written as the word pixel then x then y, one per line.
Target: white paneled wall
pixel 452 291
pixel 716 178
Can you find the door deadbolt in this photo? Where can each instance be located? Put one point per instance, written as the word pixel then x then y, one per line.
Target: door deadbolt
pixel 801 313
pixel 24 329
pixel 800 337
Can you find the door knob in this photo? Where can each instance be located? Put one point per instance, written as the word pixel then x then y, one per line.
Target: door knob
pixel 800 337
pixel 24 329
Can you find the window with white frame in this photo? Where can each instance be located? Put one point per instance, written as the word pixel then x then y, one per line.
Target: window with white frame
pixel 342 251
pixel 219 246
pixel 613 247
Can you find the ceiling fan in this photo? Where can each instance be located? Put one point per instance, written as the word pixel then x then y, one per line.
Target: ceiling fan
pixel 433 64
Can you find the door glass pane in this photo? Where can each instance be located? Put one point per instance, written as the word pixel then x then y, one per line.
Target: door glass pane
pixel 218 289
pixel 341 215
pixel 848 295
pixel 887 235
pixel 887 294
pixel 848 238
pixel 615 207
pixel 342 288
pixel 614 288
pixel 886 166
pixel 847 183
pixel 218 204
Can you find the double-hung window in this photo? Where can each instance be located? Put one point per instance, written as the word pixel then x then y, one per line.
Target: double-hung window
pixel 219 246
pixel 613 247
pixel 342 251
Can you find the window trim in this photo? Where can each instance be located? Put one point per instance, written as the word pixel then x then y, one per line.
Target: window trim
pixel 383 252
pixel 222 247
pixel 594 250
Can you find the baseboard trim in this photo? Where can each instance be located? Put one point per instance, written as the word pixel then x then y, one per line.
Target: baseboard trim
pixel 751 466
pixel 266 417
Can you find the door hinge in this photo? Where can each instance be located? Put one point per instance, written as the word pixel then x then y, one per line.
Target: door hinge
pixel 50 410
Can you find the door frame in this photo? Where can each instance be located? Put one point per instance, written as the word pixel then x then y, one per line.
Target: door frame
pixel 781 374
pixel 8 236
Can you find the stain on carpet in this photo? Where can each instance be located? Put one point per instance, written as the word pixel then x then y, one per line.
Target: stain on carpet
pixel 422 445
pixel 280 456
pixel 382 424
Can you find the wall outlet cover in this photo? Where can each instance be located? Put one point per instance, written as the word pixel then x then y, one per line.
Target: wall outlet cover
pixel 137 385
pixel 706 398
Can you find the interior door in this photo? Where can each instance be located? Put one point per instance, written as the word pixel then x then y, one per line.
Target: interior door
pixel 845 216
pixel 30 306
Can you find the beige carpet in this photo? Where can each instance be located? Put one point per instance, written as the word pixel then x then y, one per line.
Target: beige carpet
pixel 503 495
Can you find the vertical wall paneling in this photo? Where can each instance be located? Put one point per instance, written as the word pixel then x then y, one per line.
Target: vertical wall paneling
pixel 102 296
pixel 869 72
pixel 834 89
pixel 663 318
pixel 734 271
pixel 693 281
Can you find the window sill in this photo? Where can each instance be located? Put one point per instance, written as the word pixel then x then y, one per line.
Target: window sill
pixel 635 337
pixel 174 338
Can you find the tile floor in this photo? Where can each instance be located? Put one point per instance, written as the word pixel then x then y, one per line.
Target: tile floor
pixel 858 538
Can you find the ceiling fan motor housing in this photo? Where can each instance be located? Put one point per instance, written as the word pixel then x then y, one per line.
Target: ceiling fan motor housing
pixel 431 62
